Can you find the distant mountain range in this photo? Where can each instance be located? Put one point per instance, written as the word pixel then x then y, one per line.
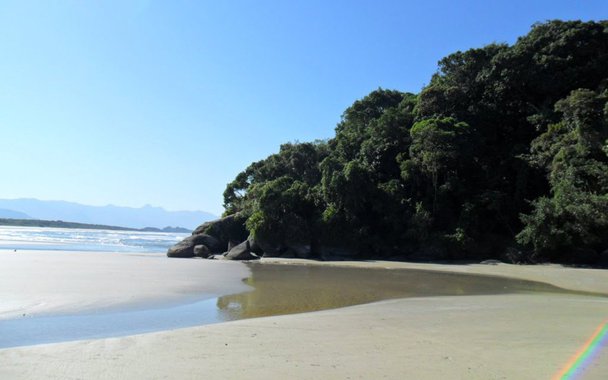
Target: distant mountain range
pixel 147 216
pixel 12 214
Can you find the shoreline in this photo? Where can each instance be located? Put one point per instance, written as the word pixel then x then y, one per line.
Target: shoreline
pixel 513 336
pixel 39 283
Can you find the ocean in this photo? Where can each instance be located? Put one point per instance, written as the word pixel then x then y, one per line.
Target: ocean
pixel 74 239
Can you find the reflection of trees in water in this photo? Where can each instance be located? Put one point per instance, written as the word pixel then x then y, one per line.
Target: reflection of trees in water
pixel 288 289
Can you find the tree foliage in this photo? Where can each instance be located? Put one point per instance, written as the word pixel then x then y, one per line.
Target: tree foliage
pixel 505 150
pixel 573 220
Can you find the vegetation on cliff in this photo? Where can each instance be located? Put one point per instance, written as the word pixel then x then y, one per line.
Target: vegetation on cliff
pixel 504 153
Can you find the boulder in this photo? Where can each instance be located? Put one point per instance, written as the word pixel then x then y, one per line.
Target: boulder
pixel 241 252
pixel 185 248
pixel 229 228
pixel 255 247
pixel 585 256
pixel 290 250
pixel 603 260
pixel 328 253
pixel 299 251
pixel 431 251
pixel 491 262
pixel 232 244
pixel 514 255
pixel 269 249
pixel 202 250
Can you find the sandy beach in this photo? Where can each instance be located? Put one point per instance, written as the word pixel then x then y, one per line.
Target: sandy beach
pixel 511 336
pixel 42 282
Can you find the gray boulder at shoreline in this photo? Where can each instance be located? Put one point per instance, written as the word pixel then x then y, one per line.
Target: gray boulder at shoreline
pixel 202 251
pixel 226 236
pixel 185 248
pixel 241 252
pixel 228 239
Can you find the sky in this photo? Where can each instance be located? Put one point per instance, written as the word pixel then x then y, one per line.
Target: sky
pixel 165 102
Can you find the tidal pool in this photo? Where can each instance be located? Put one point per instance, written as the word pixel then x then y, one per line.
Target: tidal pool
pixel 276 289
pixel 287 289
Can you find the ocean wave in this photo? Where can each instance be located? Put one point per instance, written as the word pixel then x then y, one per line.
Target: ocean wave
pixel 87 240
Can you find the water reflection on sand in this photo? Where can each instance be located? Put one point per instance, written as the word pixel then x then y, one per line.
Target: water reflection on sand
pixel 275 289
pixel 287 289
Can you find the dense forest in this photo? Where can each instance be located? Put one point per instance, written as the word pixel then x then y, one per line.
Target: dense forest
pixel 504 154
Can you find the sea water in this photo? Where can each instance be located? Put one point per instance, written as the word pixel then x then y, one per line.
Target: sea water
pixel 75 239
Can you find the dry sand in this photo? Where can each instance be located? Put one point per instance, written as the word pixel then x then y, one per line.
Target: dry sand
pixel 519 336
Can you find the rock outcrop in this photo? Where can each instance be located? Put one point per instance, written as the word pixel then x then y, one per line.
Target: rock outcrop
pixel 228 229
pixel 228 239
pixel 212 238
pixel 241 252
pixel 185 248
pixel 202 250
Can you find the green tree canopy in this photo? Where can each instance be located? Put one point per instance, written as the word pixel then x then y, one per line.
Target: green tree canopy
pixel 504 151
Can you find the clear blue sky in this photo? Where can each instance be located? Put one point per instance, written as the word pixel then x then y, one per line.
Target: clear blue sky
pixel 164 102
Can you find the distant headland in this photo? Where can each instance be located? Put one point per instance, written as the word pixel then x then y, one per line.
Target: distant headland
pixel 62 224
pixel 110 215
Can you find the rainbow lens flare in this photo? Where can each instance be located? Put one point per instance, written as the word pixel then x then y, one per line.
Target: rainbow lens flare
pixel 585 355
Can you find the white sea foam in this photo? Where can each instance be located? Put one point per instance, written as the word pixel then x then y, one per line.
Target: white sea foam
pixel 87 240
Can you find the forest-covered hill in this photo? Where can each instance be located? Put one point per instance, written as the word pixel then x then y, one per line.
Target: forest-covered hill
pixel 504 154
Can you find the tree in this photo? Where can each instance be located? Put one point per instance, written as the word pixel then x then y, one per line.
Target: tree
pixel 507 147
pixel 439 148
pixel 574 219
pixel 297 161
pixel 284 213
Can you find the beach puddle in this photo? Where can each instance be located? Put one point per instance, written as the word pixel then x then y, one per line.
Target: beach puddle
pixel 276 289
pixel 287 289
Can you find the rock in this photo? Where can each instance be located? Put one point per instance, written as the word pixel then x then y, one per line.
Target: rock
pixel 585 256
pixel 431 251
pixel 270 249
pixel 603 260
pixel 241 252
pixel 300 251
pixel 202 250
pixel 255 247
pixel 290 250
pixel 271 254
pixel 491 262
pixel 229 228
pixel 514 255
pixel 185 248
pixel 232 244
pixel 335 253
pixel 286 254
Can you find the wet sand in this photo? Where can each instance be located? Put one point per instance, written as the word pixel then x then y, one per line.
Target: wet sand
pixel 513 336
pixel 268 290
pixel 279 289
pixel 34 283
pixel 578 279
